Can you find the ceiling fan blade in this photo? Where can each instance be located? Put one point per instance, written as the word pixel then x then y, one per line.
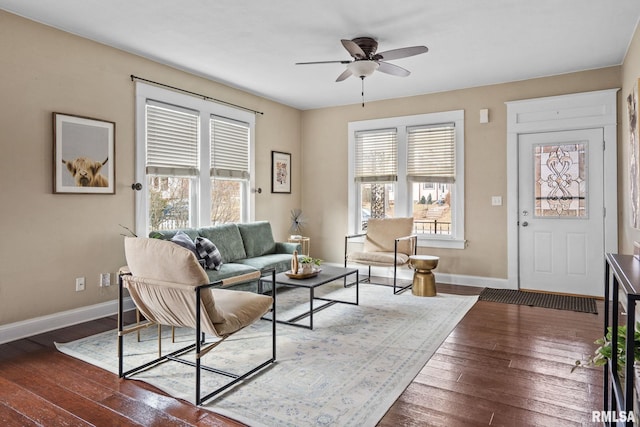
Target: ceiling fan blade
pixel 394 70
pixel 403 52
pixel 323 62
pixel 353 49
pixel 345 74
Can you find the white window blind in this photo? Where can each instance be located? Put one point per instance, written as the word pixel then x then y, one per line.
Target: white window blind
pixel 172 141
pixel 229 148
pixel 376 158
pixel 431 153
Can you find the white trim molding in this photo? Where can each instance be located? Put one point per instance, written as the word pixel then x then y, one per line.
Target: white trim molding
pixel 586 110
pixel 39 325
pixel 406 273
pixel 403 207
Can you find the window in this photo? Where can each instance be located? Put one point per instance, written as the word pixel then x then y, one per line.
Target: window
pixel 229 169
pixel 376 171
pixel 171 165
pixel 410 166
pixel 195 157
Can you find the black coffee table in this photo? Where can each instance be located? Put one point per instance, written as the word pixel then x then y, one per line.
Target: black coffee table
pixel 326 275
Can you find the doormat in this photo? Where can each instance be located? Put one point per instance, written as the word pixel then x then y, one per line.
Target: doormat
pixel 538 299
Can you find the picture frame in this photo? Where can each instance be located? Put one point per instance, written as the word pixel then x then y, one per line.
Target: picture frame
pixel 83 155
pixel 280 172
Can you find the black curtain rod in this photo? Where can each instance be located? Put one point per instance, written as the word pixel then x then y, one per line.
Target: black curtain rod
pixel 205 97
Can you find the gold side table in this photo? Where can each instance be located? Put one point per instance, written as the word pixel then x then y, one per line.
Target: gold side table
pixel 424 282
pixel 304 242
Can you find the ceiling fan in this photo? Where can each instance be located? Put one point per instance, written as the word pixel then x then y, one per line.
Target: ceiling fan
pixel 366 61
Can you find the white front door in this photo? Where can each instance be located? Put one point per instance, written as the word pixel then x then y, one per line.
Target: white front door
pixel 561 211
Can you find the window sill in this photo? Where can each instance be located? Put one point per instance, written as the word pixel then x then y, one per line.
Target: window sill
pixel 425 242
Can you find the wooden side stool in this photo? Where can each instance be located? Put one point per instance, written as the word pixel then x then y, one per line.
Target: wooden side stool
pixel 424 282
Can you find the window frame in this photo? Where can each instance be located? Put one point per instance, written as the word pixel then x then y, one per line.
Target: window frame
pixel 201 191
pixel 403 205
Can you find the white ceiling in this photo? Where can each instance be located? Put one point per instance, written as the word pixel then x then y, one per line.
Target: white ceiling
pixel 254 45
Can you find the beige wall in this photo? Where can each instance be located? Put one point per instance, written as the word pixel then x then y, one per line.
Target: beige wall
pixel 324 151
pixel 630 76
pixel 50 239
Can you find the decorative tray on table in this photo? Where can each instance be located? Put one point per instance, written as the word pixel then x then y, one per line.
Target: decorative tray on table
pixel 313 273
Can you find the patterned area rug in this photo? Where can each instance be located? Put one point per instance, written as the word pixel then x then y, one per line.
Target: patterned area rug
pixel 346 372
pixel 538 299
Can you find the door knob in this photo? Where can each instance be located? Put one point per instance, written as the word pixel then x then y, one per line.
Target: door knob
pixel 524 224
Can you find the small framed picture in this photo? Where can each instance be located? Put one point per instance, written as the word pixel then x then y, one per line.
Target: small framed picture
pixel 83 155
pixel 280 172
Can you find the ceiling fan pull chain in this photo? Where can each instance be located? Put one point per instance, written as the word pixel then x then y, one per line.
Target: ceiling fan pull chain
pixel 362 80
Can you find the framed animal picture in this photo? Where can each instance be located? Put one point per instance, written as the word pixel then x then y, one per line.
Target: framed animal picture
pixel 83 155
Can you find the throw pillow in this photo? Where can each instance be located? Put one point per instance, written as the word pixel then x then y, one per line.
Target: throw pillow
pixel 209 253
pixel 182 239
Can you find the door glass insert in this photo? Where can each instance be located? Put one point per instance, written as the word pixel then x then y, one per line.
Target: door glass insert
pixel 560 180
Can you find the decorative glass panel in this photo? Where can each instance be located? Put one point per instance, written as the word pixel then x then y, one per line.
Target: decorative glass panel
pixel 560 180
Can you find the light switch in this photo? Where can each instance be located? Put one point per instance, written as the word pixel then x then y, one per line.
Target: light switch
pixel 496 200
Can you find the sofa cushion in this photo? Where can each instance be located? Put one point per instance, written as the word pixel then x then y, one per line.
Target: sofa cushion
pixel 228 270
pixel 378 258
pixel 227 239
pixel 208 252
pixel 281 262
pixel 257 238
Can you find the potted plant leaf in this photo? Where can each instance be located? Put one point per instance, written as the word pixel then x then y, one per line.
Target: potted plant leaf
pixel 605 350
pixel 307 264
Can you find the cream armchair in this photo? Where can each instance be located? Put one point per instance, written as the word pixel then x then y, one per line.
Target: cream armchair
pixel 169 287
pixel 388 242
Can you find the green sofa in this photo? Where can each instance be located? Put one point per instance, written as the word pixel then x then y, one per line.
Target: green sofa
pixel 245 248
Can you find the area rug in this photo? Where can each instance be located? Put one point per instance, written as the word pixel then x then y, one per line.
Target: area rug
pixel 347 371
pixel 539 299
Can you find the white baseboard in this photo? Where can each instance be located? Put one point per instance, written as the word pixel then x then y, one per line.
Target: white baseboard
pixel 39 325
pixel 406 273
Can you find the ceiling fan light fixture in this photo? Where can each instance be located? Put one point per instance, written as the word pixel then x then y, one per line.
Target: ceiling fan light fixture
pixel 363 68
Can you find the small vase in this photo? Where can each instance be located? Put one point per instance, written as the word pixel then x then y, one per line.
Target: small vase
pixel 307 268
pixel 294 262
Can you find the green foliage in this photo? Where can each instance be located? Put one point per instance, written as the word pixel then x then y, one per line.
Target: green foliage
pixel 605 350
pixel 309 260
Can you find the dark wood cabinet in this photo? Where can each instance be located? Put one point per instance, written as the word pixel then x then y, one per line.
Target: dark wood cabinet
pixel 622 285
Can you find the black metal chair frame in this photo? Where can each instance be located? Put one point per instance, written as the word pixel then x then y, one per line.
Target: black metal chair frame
pixel 200 346
pixel 396 289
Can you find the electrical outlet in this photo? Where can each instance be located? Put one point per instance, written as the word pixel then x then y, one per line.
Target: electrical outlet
pixel 105 279
pixel 79 284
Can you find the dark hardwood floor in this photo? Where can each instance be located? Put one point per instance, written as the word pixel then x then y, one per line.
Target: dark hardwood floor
pixel 503 365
